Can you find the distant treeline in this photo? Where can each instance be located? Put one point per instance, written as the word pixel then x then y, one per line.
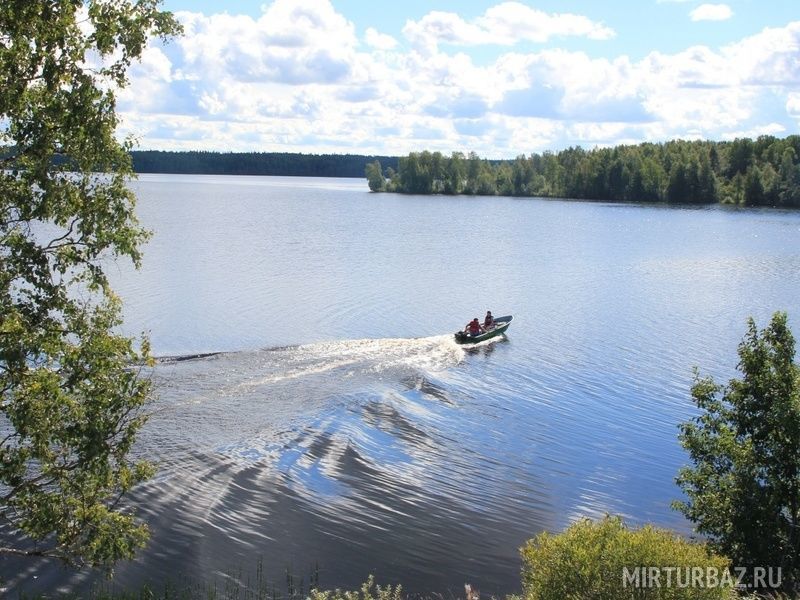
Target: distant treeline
pixel 761 172
pixel 255 163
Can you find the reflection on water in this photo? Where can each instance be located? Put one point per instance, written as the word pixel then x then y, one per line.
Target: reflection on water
pixel 331 453
pixel 313 407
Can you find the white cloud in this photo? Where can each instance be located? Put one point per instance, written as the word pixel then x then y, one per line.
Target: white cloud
pixel 155 65
pixel 513 21
pixel 295 41
pixel 571 86
pixel 711 12
pixel 442 27
pixel 793 104
pixel 505 24
pixel 767 58
pixel 298 79
pixel 378 40
pixel 754 132
pixel 600 134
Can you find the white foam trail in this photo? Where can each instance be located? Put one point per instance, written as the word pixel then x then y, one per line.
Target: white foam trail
pixel 430 354
pixel 241 374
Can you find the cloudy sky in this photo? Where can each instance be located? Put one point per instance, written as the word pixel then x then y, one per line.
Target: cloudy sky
pixel 499 78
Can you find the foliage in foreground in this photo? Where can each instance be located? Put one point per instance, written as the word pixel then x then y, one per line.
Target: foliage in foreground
pixel 744 488
pixel 69 400
pixel 241 588
pixel 369 591
pixel 589 560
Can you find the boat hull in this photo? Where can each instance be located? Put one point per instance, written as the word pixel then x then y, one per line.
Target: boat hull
pixel 501 324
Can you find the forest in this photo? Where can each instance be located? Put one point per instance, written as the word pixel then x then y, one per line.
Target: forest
pixel 760 172
pixel 255 163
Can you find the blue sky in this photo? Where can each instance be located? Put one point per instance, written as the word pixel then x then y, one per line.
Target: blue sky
pixel 499 78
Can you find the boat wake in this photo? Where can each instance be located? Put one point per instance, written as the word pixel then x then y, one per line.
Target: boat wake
pixel 238 401
pixel 352 357
pixel 337 451
pixel 435 353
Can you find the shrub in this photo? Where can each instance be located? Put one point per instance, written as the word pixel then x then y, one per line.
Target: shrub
pixel 600 561
pixel 368 591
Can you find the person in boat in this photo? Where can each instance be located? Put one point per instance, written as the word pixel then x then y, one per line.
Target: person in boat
pixel 474 327
pixel 488 321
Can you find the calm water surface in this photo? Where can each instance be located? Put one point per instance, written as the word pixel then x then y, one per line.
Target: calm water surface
pixel 341 425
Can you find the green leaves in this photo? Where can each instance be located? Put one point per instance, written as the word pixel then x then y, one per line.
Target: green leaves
pixel 71 392
pixel 743 489
pixel 377 182
pixel 74 411
pixel 598 560
pixel 368 591
pixel 765 172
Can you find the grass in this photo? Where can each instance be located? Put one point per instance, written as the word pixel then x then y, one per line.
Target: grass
pixel 230 586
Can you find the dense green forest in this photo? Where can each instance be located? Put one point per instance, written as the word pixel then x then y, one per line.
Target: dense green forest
pixel 255 163
pixel 761 172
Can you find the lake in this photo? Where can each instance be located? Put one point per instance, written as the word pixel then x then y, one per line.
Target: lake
pixel 340 430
